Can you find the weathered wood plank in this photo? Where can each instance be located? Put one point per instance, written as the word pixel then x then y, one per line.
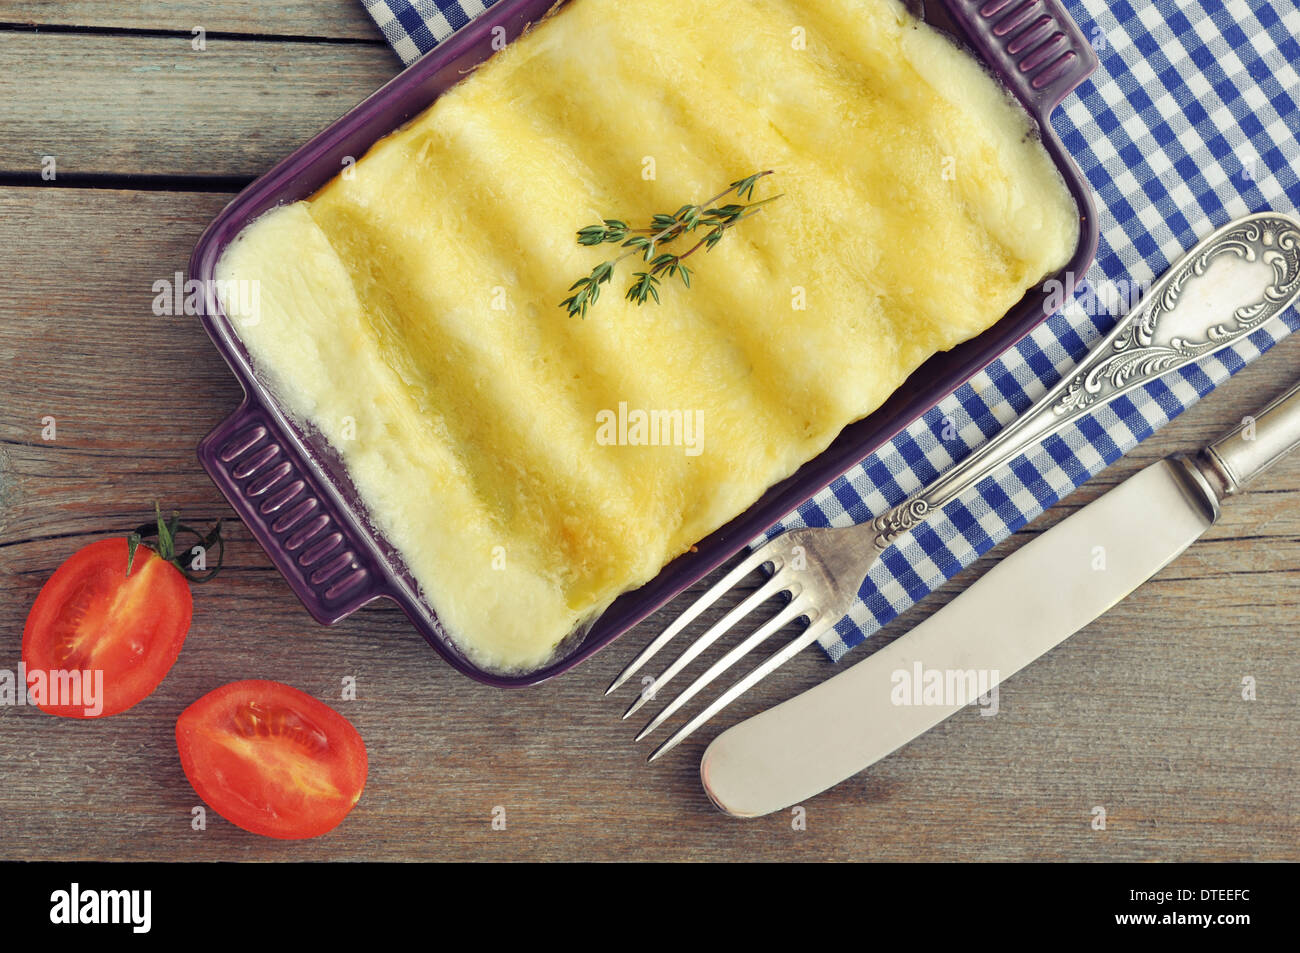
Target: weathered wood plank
pixel 1141 713
pixel 148 105
pixel 341 19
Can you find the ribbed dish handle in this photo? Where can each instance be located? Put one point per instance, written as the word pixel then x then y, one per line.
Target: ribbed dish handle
pixel 272 489
pixel 1038 50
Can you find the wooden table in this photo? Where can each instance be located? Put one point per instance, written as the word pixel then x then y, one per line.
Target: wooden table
pixel 1142 713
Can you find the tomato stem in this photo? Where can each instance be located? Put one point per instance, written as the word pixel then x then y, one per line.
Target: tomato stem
pixel 132 544
pixel 166 531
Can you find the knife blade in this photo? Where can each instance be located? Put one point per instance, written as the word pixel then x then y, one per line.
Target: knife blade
pixel 1030 602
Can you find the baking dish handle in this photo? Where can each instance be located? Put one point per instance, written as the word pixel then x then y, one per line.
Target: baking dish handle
pixel 278 497
pixel 1035 46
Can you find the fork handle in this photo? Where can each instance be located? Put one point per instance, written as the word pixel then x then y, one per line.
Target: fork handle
pixel 1229 284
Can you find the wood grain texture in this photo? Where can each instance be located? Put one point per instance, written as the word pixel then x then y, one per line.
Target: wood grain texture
pixel 150 105
pixel 1141 713
pixel 338 19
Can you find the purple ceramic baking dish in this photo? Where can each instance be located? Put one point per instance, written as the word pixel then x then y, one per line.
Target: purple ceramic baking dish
pixel 290 488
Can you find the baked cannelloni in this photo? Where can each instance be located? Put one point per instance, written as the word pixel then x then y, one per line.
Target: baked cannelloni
pixel 530 466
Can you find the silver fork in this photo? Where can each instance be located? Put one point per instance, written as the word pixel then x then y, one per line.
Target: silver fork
pixel 1229 284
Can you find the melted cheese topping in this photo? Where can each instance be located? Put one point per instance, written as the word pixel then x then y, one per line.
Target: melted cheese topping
pixel 409 310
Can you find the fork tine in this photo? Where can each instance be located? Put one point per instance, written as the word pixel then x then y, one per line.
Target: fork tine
pixel 777 583
pixel 796 608
pixel 765 668
pixel 764 553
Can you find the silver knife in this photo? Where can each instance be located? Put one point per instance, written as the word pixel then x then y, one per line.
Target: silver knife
pixel 1030 602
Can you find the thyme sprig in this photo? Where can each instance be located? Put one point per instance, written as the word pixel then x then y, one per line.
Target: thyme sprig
pixel 649 241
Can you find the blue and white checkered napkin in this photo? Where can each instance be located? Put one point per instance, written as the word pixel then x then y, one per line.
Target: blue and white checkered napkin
pixel 1190 121
pixel 414 27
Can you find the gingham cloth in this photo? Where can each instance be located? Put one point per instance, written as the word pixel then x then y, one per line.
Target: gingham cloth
pixel 1190 121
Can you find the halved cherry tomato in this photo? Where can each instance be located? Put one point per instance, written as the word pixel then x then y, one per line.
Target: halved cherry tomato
pixel 271 759
pixel 91 616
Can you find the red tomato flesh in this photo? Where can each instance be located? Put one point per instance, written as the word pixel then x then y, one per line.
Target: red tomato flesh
pixel 90 616
pixel 271 759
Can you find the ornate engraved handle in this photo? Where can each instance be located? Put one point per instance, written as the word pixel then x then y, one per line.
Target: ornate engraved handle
pixel 1232 282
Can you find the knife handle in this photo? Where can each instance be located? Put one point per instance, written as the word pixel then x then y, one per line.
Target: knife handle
pixel 1255 445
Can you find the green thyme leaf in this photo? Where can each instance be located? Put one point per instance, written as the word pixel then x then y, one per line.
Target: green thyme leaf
pixel 664 229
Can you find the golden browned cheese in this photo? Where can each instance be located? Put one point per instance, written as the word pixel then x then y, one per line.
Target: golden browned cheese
pixel 409 310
